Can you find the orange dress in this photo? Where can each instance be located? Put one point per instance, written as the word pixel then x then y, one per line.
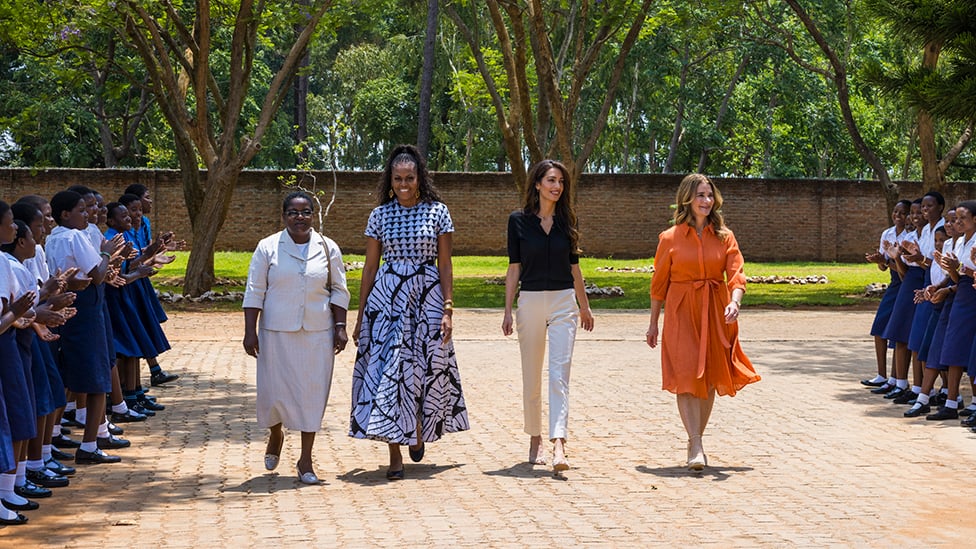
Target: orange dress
pixel 694 277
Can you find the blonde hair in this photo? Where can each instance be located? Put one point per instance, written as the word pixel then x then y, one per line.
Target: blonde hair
pixel 687 190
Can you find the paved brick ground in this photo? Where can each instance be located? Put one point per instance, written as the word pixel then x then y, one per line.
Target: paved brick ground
pixel 804 458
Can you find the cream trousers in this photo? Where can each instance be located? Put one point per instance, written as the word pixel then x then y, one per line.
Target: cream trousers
pixel 556 314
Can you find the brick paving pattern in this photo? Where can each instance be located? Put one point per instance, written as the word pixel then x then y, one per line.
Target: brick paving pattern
pixel 805 458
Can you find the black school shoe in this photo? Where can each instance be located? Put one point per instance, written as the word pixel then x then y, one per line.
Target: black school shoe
pixel 130 416
pixel 98 456
pixel 148 404
pixel 943 413
pixel 161 377
pixel 896 392
pixel 46 478
pixel 110 442
pixel 61 456
pixel 906 397
pixel 30 490
pixel 58 468
pixel 62 441
pixel 870 383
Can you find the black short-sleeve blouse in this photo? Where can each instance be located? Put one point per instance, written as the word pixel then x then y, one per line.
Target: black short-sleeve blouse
pixel 545 258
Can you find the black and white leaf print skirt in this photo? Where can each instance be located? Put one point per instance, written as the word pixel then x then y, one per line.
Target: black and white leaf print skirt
pixel 403 368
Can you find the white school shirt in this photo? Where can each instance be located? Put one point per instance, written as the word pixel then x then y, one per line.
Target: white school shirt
pixel 908 236
pixel 9 287
pixel 67 248
pixel 25 279
pixel 95 235
pixel 891 235
pixel 926 242
pixel 37 265
pixel 963 248
pixel 936 272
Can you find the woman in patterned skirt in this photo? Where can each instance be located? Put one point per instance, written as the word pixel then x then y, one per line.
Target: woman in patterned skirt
pixel 406 389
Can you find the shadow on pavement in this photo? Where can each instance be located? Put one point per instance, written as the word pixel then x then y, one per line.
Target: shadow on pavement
pixel 410 471
pixel 521 470
pixel 718 473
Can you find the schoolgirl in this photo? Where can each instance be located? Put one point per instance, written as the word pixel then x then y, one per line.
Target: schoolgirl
pixel 106 431
pixel 149 312
pixel 19 424
pixel 142 230
pixel 84 352
pixel 958 344
pixel 899 325
pixel 940 294
pixel 39 388
pixel 132 340
pixel 891 235
pixel 54 309
pixel 921 253
pixel 38 266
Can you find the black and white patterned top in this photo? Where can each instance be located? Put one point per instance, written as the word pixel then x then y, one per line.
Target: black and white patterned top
pixel 409 235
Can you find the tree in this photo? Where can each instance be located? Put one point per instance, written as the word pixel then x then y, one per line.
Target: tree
pixel 427 78
pixel 565 42
pixel 203 107
pixel 944 30
pixel 833 71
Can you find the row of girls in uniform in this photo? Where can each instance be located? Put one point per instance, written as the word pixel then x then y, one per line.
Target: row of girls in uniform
pixel 58 348
pixel 928 312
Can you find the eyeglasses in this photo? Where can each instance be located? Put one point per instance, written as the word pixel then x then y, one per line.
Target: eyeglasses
pixel 292 214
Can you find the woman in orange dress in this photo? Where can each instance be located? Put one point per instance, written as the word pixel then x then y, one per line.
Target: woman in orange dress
pixel 698 278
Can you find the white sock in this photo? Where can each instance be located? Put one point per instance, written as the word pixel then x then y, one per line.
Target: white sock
pixel 953 404
pixel 45 452
pixel 878 378
pixel 89 446
pixel 81 415
pixel 971 406
pixel 21 473
pixel 120 408
pixel 103 430
pixel 916 389
pixel 56 430
pixel 70 406
pixel 901 383
pixel 35 464
pixel 922 400
pixel 7 490
pixel 891 381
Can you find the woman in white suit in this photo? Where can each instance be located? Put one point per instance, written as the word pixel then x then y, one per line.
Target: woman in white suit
pixel 296 285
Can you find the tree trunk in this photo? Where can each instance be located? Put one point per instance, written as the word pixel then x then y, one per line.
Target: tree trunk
pixel 427 78
pixel 679 117
pixel 631 112
pixel 888 187
pixel 212 213
pixel 723 109
pixel 767 170
pixel 932 177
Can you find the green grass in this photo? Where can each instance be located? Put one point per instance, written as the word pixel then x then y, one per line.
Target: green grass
pixel 845 288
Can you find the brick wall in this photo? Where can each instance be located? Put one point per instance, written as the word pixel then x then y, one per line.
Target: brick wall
pixel 620 215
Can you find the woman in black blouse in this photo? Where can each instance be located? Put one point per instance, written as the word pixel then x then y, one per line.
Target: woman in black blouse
pixel 543 257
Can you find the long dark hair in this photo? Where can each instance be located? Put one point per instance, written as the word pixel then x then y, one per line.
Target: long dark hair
pixel 565 211
pixel 406 154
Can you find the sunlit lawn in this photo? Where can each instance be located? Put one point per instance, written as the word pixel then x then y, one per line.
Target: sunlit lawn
pixel 473 276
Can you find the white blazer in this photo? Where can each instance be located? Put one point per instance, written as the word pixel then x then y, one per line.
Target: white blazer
pixel 293 291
